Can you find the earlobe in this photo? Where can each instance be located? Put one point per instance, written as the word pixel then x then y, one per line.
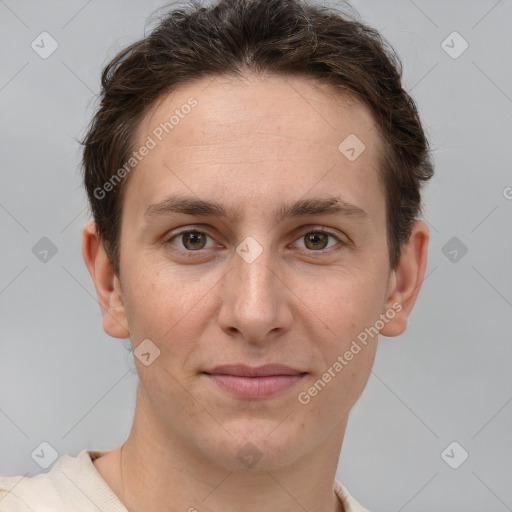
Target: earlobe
pixel 106 283
pixel 406 280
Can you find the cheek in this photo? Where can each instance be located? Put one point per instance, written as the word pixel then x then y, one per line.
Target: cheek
pixel 342 302
pixel 346 307
pixel 162 303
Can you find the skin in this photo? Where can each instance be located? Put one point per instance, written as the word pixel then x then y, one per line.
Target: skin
pixel 252 144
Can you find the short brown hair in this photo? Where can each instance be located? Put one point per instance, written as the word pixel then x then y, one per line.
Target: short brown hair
pixel 271 36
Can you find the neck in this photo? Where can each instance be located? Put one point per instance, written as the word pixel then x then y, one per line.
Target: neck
pixel 152 470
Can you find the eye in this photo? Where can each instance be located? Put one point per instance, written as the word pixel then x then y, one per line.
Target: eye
pixel 318 240
pixel 192 240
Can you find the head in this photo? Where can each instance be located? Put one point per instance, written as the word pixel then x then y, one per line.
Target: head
pixel 254 173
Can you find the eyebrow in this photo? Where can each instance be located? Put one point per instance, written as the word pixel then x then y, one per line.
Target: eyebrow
pixel 192 206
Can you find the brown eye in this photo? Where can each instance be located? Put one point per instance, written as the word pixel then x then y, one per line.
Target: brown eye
pixel 190 240
pixel 193 240
pixel 316 240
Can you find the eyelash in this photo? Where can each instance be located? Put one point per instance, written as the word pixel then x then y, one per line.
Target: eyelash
pixel 199 252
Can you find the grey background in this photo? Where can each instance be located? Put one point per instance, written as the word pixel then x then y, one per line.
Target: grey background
pixel 65 382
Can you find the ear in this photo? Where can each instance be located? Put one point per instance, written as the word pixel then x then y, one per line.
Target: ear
pixel 108 287
pixel 405 281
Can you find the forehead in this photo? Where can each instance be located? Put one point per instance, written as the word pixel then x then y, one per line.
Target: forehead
pixel 262 133
pixel 233 109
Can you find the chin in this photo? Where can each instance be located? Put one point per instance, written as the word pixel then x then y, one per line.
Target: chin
pixel 251 444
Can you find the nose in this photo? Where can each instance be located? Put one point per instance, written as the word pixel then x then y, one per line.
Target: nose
pixel 255 300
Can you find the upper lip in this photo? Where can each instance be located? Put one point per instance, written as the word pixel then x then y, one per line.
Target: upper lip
pixel 241 370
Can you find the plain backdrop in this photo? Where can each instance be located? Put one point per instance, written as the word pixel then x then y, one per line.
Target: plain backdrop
pixel 446 380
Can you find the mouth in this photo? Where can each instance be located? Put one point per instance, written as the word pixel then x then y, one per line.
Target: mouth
pixel 254 382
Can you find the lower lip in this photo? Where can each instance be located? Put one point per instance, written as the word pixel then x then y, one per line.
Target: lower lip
pixel 255 387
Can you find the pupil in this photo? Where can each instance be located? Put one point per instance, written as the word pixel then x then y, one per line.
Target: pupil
pixel 195 239
pixel 315 238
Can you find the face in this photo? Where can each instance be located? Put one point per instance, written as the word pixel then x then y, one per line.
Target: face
pixel 278 277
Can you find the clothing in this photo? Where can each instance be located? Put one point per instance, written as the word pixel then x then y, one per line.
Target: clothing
pixel 74 484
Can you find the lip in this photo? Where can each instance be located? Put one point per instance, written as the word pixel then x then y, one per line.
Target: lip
pixel 242 370
pixel 255 382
